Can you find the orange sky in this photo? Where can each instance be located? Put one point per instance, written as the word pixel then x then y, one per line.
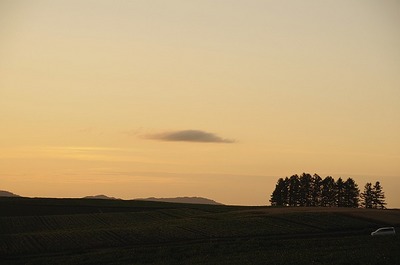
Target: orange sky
pixel 197 98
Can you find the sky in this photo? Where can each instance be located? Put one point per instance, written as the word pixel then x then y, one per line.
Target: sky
pixel 216 99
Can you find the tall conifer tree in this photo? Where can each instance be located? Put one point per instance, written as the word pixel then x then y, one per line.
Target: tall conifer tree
pixel 294 188
pixel 367 196
pixel 305 191
pixel 328 192
pixel 351 193
pixel 378 196
pixel 316 190
pixel 340 193
pixel 279 196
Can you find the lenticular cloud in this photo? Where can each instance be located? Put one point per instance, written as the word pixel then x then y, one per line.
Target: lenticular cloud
pixel 189 136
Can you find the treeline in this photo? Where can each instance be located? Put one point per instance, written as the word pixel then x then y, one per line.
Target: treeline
pixel 313 191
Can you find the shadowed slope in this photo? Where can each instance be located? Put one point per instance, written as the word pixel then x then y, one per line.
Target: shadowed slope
pixel 137 232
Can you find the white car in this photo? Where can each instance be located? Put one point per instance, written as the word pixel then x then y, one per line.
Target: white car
pixel 384 231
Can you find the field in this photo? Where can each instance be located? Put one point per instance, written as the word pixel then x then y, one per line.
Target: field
pixel 77 231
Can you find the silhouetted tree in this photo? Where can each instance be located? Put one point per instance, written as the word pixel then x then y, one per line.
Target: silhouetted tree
pixel 378 196
pixel 367 196
pixel 294 188
pixel 305 190
pixel 279 195
pixel 340 193
pixel 328 193
pixel 316 190
pixel 285 192
pixel 351 193
pixel 373 196
pixel 308 190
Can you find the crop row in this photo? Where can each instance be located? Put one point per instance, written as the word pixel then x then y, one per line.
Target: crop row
pixel 34 224
pixel 62 233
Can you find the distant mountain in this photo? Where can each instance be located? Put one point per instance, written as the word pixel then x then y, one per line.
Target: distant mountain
pixel 193 200
pixel 4 193
pixel 100 197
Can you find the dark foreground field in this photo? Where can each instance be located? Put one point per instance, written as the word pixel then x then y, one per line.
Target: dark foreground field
pixel 76 231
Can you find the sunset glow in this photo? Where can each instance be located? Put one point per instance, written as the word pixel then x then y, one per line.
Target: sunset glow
pixel 216 99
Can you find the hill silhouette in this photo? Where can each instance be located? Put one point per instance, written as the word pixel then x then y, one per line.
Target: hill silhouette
pixel 189 200
pixel 101 197
pixel 192 200
pixel 4 193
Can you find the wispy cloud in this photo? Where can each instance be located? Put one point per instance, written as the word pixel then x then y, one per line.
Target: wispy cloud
pixel 189 136
pixel 83 153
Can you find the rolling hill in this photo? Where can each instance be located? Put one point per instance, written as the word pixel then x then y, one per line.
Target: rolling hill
pixel 100 197
pixel 81 231
pixel 192 200
pixel 4 193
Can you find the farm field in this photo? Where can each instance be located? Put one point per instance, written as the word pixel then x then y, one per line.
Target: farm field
pixel 81 231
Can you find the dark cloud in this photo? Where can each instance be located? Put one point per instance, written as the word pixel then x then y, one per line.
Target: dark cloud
pixel 189 136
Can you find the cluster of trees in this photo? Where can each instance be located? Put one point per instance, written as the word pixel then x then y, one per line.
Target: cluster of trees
pixel 307 190
pixel 373 196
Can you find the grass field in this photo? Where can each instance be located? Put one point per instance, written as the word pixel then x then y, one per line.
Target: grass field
pixel 77 231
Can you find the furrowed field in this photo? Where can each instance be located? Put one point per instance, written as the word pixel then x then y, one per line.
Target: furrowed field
pixel 78 231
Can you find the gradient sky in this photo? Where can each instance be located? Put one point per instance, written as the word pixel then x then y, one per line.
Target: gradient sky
pixel 197 98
